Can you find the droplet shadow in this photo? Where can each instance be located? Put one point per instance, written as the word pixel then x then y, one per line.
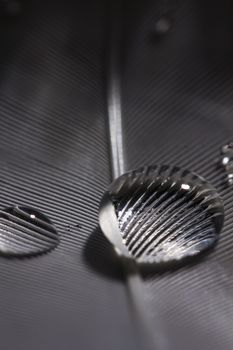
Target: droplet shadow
pixel 101 257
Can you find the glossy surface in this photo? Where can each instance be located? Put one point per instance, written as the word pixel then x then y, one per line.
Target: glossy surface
pixel 161 213
pixel 25 232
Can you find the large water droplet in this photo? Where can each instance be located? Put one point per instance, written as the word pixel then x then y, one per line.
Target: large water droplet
pixel 25 231
pixel 161 213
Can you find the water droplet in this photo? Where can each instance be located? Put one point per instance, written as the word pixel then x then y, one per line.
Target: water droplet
pixel 161 213
pixel 25 231
pixel 162 26
pixel 226 161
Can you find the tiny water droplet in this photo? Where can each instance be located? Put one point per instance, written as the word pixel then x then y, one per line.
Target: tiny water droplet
pixel 26 231
pixel 73 227
pixel 162 26
pixel 226 161
pixel 161 214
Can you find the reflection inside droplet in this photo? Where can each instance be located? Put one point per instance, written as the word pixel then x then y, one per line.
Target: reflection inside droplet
pixel 225 160
pixel 185 187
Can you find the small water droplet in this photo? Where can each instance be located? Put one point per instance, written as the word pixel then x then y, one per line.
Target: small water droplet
pixel 25 231
pixel 161 214
pixel 226 161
